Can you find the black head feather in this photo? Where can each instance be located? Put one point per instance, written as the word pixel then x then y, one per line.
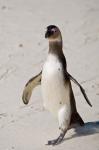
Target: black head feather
pixel 50 27
pixel 50 30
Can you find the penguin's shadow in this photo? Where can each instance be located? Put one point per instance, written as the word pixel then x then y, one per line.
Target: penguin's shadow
pixel 88 129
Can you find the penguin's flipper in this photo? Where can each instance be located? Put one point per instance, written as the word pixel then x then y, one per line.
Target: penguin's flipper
pixel 81 88
pixel 31 84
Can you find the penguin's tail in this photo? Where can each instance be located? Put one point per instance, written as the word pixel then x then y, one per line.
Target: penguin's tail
pixel 76 119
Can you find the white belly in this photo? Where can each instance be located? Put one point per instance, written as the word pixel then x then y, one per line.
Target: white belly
pixel 55 92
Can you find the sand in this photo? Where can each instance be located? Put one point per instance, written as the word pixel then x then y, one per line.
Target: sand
pixel 23 50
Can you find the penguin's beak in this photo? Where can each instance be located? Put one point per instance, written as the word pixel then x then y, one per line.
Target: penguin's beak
pixel 48 34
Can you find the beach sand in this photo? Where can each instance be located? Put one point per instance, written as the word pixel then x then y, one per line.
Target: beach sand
pixel 23 50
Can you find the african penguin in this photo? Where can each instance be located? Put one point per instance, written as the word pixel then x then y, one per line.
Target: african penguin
pixel 58 97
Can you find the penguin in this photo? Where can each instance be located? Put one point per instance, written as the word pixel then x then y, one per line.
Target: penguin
pixel 55 81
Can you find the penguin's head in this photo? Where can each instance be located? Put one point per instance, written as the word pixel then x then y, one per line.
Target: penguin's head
pixel 52 33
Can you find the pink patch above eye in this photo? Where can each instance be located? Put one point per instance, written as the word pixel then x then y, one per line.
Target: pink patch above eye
pixel 54 30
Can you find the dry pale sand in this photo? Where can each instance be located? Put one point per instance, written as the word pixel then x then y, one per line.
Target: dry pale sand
pixel 23 50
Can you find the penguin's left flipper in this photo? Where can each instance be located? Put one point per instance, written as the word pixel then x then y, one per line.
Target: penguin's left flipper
pixel 81 88
pixel 31 84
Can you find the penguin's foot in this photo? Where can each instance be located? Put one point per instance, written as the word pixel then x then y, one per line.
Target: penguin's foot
pixel 56 141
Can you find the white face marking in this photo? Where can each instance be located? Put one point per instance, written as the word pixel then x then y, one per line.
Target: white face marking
pixel 55 92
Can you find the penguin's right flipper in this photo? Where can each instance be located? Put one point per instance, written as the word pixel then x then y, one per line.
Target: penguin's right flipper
pixel 31 84
pixel 81 88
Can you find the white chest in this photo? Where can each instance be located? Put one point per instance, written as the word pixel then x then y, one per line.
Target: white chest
pixel 55 92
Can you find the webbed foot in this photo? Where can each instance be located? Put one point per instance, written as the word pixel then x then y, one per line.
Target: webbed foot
pixel 56 141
